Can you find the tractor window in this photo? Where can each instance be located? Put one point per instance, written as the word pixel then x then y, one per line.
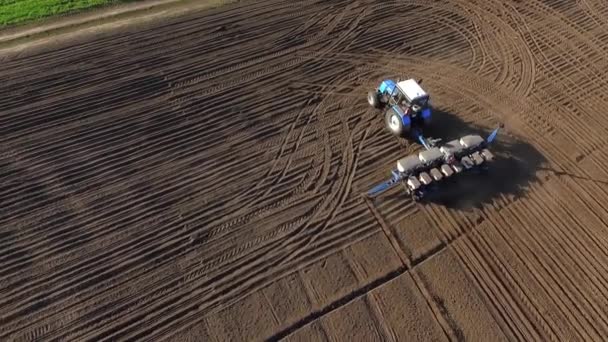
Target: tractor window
pixel 395 96
pixel 395 92
pixel 398 95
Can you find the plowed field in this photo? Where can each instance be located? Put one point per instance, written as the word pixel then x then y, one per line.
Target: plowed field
pixel 201 178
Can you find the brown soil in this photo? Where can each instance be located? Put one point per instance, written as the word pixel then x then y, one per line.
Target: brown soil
pixel 201 178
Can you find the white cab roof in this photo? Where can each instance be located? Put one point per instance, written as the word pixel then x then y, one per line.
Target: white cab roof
pixel 411 89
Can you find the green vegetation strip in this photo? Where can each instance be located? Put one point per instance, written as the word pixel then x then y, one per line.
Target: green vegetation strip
pixel 22 11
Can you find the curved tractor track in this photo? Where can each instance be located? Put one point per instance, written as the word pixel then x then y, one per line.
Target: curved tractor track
pixel 202 178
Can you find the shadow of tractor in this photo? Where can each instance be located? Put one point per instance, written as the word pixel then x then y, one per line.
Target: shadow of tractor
pixel 509 174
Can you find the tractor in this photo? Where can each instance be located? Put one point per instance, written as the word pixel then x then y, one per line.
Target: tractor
pixel 406 105
pixel 407 111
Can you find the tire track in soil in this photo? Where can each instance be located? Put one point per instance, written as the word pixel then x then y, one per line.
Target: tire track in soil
pixel 327 29
pixel 314 183
pixel 509 307
pixel 450 329
pixel 539 295
pixel 551 37
pixel 584 272
pixel 592 10
pixel 544 275
pixel 506 238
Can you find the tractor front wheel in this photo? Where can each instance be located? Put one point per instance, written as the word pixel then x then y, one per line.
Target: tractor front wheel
pixel 373 99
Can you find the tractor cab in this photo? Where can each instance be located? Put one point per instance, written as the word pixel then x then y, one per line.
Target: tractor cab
pixel 413 99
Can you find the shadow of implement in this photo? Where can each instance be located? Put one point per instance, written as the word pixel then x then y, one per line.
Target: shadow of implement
pixel 513 168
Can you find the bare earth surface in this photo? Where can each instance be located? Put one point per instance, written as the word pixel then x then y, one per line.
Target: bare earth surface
pixel 201 179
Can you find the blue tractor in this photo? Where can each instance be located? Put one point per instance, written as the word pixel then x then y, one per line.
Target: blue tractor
pixel 406 105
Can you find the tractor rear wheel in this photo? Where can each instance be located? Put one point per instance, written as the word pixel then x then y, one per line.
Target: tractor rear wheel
pixel 394 123
pixel 373 99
